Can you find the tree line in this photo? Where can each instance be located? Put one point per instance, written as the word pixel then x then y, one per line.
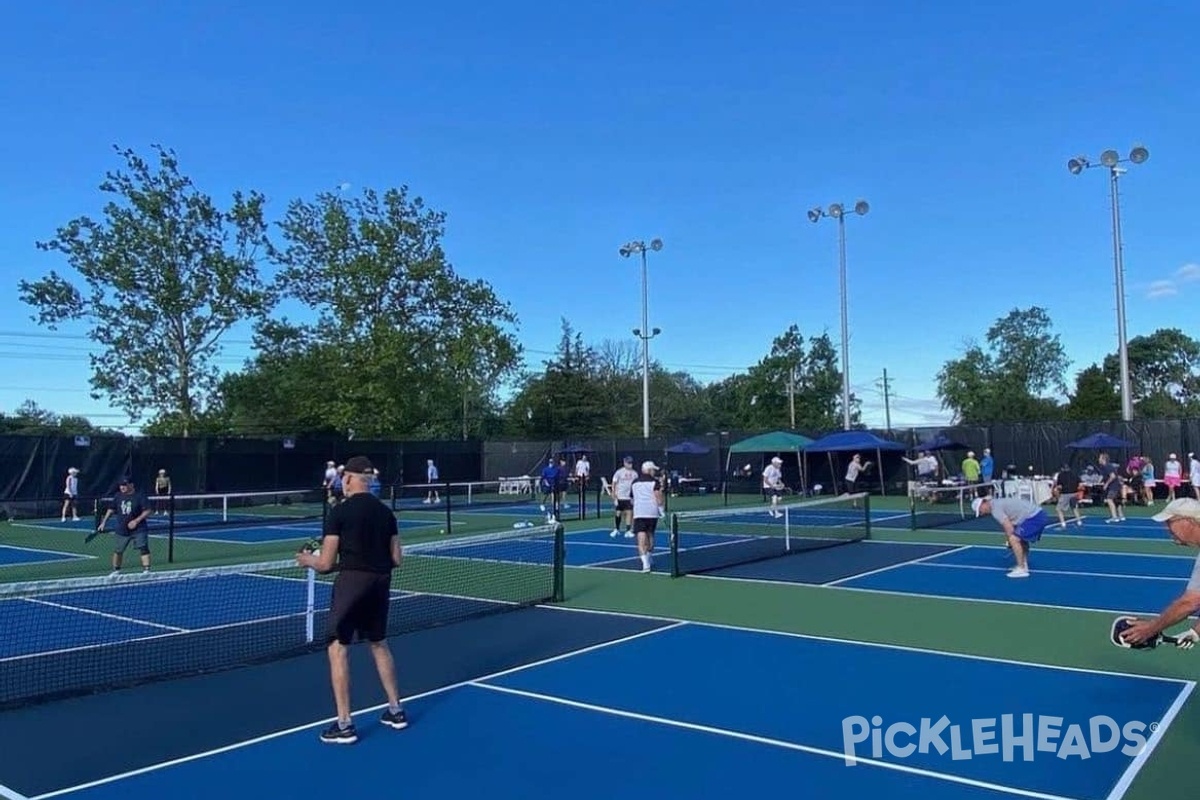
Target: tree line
pixel 1020 372
pixel 362 326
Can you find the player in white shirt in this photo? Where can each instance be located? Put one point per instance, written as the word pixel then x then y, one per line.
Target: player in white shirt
pixel 71 495
pixel 431 477
pixel 1194 474
pixel 583 471
pixel 772 484
pixel 622 483
pixel 647 499
pixel 331 474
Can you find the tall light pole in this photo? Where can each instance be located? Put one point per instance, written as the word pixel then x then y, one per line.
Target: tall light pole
pixel 838 212
pixel 1110 159
pixel 644 333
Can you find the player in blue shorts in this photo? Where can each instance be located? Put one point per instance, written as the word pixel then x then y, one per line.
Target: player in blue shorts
pixel 1023 523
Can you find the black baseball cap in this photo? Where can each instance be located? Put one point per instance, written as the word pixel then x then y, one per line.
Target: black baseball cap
pixel 360 465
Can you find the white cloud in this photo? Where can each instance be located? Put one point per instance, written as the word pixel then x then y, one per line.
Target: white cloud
pixel 1161 289
pixel 1169 287
pixel 1188 273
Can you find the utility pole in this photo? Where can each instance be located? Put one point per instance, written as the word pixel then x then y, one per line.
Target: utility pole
pixel 887 400
pixel 792 395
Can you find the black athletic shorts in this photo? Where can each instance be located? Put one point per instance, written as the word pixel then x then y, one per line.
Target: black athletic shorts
pixel 624 505
pixel 360 605
pixel 645 525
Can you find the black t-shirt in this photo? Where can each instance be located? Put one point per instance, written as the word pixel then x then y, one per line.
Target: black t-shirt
pixel 129 507
pixel 364 527
pixel 1068 482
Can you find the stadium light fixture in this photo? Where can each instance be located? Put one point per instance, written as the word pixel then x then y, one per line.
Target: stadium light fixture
pixel 1111 160
pixel 837 211
pixel 626 251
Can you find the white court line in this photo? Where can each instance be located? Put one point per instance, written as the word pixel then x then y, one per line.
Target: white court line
pixel 369 710
pixel 909 562
pixel 1042 548
pixel 904 648
pixel 42 550
pixel 1142 757
pixel 1032 558
pixel 103 614
pixel 746 737
pixel 9 794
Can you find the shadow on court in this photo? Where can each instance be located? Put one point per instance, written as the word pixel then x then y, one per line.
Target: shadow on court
pixel 58 745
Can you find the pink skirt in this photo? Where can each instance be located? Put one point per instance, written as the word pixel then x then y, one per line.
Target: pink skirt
pixel 1171 480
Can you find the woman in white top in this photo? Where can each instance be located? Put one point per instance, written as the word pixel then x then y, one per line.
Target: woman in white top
pixel 1172 475
pixel 647 508
pixel 71 495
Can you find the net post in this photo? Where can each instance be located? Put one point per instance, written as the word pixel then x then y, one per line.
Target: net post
pixel 560 562
pixel 867 514
pixel 787 529
pixel 446 497
pixel 310 609
pixel 674 542
pixel 171 527
pixel 582 499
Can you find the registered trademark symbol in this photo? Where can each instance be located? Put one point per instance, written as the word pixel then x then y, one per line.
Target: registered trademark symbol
pixel 1153 727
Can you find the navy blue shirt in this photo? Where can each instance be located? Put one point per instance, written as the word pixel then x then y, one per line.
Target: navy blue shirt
pixel 550 478
pixel 127 507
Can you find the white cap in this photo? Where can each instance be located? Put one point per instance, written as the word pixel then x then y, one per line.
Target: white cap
pixel 776 460
pixel 977 503
pixel 649 466
pixel 1184 507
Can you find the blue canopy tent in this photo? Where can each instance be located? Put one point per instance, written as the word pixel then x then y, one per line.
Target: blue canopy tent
pixel 778 443
pixel 1101 441
pixel 689 449
pixel 853 442
pixel 684 449
pixel 939 444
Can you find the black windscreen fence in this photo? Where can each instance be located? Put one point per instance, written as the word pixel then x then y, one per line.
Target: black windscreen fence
pixel 33 469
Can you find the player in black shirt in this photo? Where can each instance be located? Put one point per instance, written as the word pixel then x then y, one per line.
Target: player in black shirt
pixel 362 542
pixel 131 510
pixel 1066 493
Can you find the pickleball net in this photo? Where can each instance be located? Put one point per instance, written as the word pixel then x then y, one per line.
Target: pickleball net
pixel 703 541
pixel 227 509
pixel 505 493
pixel 84 635
pixel 947 507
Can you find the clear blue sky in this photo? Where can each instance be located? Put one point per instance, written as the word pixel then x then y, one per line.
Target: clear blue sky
pixel 552 133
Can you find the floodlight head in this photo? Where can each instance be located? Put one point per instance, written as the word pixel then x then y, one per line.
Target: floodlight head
pixel 656 332
pixel 656 245
pixel 1109 158
pixel 861 207
pixel 1077 165
pixel 637 332
pixel 1139 154
pixel 625 251
pixel 835 211
pixel 814 215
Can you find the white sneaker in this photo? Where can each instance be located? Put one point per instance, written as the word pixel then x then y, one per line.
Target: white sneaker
pixel 645 568
pixel 628 534
pixel 1017 572
pixel 615 533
